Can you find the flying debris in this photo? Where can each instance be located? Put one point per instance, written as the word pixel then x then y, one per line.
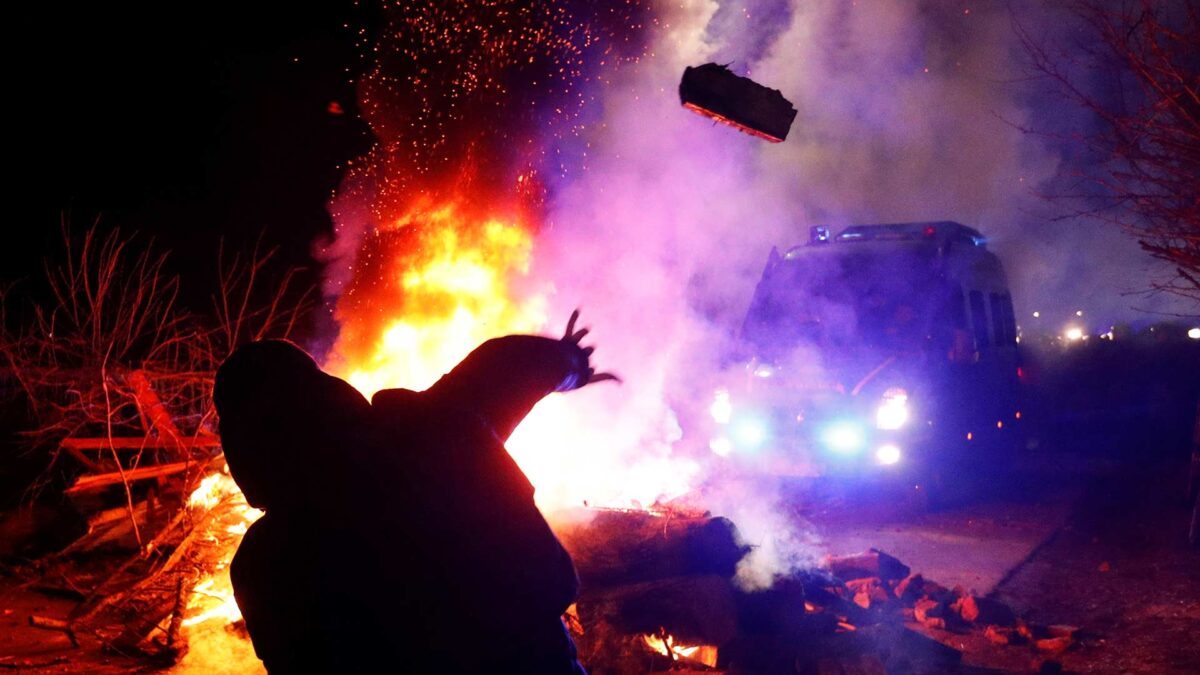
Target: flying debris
pixel 713 91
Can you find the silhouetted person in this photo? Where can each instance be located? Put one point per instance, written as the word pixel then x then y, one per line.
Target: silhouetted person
pixel 429 551
pixel 290 433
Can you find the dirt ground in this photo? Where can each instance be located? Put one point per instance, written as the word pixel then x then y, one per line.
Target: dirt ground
pixel 1122 571
pixel 1114 563
pixel 25 648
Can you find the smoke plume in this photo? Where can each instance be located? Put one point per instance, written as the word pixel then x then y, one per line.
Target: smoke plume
pixel 657 222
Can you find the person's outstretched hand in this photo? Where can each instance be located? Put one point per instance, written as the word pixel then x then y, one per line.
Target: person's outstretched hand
pixel 573 337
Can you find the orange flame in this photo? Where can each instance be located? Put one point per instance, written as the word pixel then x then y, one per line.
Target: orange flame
pixel 440 280
pixel 446 289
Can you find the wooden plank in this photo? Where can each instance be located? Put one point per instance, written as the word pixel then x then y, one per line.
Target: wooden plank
pixel 103 480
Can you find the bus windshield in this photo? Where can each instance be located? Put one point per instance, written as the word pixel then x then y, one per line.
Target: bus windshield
pixel 845 303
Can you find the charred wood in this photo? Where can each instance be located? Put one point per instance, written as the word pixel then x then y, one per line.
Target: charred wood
pixel 622 547
pixel 59 625
pixel 873 563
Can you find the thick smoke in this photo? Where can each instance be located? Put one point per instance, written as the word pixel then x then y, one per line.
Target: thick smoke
pixel 908 111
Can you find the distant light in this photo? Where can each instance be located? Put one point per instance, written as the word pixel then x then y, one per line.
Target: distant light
pixel 720 446
pixel 1194 333
pixel 1036 314
pixel 1074 334
pixel 1079 312
pixel 888 454
pixel 764 371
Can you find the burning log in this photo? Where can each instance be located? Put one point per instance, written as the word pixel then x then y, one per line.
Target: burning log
pixel 622 547
pixel 692 611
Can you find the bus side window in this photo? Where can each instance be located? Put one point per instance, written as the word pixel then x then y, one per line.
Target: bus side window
pixel 950 327
pixel 979 320
pixel 1010 321
pixel 999 319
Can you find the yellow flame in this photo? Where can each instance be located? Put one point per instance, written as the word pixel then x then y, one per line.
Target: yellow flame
pixel 208 493
pixel 212 597
pixel 223 606
pixel 705 654
pixel 455 292
pixel 668 646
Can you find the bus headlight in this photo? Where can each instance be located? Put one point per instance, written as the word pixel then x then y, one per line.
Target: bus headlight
pixel 720 446
pixel 750 433
pixel 844 437
pixel 721 408
pixel 887 454
pixel 893 411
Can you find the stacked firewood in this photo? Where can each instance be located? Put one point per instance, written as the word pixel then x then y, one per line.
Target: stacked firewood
pixel 133 599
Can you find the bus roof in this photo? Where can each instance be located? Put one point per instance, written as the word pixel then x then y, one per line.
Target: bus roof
pixel 936 233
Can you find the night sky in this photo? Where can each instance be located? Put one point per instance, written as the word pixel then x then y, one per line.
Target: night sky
pixel 189 123
pixel 184 123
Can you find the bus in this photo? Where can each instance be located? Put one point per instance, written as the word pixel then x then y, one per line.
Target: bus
pixel 884 349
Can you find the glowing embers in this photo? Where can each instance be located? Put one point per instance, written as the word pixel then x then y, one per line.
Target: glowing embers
pixel 665 644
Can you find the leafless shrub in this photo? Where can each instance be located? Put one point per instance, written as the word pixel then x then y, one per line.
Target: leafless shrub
pixel 112 323
pixel 243 310
pixel 1148 131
